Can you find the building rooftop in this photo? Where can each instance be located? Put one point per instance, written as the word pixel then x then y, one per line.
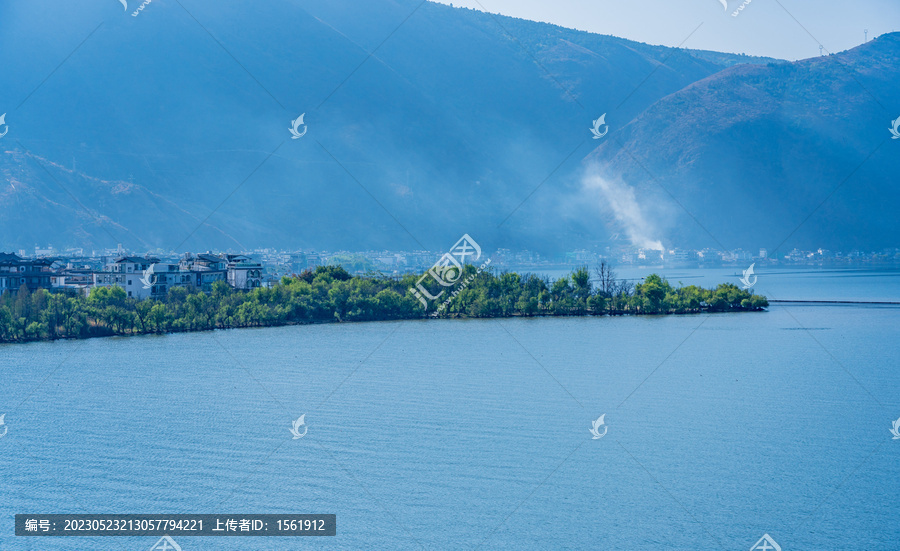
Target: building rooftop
pixel 135 259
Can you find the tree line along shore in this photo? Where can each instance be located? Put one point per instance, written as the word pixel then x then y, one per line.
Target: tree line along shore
pixel 331 294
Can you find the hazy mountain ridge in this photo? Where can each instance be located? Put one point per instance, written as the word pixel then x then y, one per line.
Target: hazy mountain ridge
pixel 446 128
pixel 774 141
pixel 39 191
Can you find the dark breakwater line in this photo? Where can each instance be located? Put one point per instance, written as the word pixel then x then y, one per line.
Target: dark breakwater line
pixel 772 301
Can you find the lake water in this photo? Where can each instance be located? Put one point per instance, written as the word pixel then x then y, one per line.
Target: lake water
pixel 475 434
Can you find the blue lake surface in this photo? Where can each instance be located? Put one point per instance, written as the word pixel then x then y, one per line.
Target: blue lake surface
pixel 475 434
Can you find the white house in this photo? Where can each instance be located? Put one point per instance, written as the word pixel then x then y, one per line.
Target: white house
pixel 243 273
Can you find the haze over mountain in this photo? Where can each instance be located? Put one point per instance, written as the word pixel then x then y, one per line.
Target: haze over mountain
pixel 170 129
pixel 754 155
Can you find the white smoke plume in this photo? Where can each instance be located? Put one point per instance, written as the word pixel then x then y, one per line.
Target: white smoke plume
pixel 620 199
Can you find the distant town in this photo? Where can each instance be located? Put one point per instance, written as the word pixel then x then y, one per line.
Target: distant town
pixel 152 274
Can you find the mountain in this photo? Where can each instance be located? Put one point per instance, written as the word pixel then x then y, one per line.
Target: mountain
pixel 169 128
pixel 38 194
pixel 779 155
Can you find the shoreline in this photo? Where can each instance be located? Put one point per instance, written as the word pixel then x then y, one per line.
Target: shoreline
pixel 455 317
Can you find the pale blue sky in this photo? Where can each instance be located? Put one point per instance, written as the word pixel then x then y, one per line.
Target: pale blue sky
pixel 787 29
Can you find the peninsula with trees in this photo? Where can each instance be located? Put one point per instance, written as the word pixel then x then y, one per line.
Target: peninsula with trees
pixel 331 294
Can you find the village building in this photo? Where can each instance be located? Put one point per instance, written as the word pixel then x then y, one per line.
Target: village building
pixel 16 271
pixel 140 277
pixel 243 272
